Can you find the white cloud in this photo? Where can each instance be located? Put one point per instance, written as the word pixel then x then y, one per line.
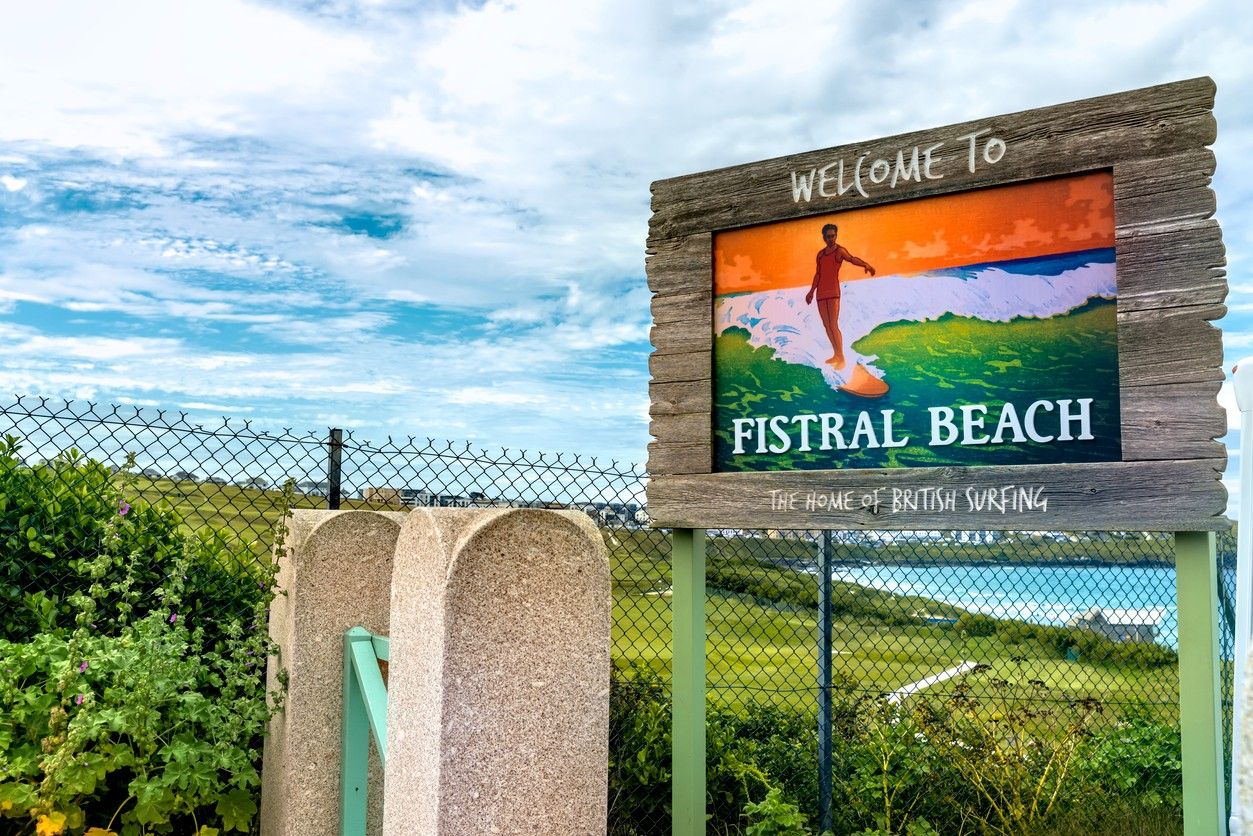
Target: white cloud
pixel 129 77
pixel 189 172
pixel 476 395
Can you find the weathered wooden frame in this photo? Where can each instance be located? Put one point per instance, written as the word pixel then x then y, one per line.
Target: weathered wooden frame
pixel 1171 283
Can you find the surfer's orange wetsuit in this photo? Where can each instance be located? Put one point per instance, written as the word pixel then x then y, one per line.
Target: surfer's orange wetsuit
pixel 828 272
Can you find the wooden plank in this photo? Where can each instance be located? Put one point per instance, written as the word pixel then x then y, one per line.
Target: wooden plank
pixel 689 427
pixel 1172 422
pixel 1131 112
pixel 1169 345
pixel 1063 139
pixel 687 458
pixel 679 368
pixel 681 265
pixel 1181 495
pixel 680 398
pixel 682 337
pixel 1170 268
pixel 1175 187
pixel 689 306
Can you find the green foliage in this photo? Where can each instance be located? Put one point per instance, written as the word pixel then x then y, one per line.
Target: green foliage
pixel 1138 756
pixel 1019 749
pixel 889 774
pixel 774 816
pixel 55 531
pixel 735 568
pixel 1090 646
pixel 127 700
pixel 917 827
pixel 1020 761
pixel 639 760
pixel 976 625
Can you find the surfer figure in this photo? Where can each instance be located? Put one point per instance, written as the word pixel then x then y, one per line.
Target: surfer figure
pixel 827 287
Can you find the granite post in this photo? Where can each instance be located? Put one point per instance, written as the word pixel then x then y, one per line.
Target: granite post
pixel 335 570
pixel 498 694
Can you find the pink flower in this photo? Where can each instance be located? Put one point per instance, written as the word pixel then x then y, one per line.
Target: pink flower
pixel 78 700
pixel 173 617
pixel 82 668
pixel 122 507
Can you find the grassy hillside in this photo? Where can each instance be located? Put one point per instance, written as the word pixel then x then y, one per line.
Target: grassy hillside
pixel 761 613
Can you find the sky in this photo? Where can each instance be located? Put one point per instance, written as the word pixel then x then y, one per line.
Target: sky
pixel 429 218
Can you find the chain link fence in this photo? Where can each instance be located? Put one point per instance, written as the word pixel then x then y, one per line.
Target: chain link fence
pixel 1038 627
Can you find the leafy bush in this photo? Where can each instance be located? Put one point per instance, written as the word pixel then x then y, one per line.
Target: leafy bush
pixel 1140 757
pixel 639 754
pixel 1021 760
pixel 132 695
pixel 976 625
pixel 748 754
pixel 54 527
pixel 1091 646
pixel 890 776
pixel 775 816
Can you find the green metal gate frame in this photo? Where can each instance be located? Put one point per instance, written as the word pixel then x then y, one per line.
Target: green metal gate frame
pixel 1200 710
pixel 365 716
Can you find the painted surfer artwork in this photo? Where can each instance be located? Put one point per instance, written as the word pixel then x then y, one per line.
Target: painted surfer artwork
pixel 977 328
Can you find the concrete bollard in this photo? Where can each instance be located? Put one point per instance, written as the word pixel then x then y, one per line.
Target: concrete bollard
pixel 498 695
pixel 336 572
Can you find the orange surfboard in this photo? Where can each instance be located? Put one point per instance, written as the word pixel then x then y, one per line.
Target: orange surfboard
pixel 863 384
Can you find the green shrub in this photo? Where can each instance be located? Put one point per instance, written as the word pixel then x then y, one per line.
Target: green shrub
pixel 639 754
pixel 1018 760
pixel 890 776
pixel 132 692
pixel 1091 646
pixel 1139 757
pixel 775 816
pixel 748 753
pixel 55 524
pixel 976 625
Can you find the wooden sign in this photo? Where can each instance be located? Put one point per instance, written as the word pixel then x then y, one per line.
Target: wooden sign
pixel 1002 324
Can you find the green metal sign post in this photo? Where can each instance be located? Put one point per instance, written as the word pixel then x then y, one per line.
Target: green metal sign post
pixel 1200 712
pixel 687 684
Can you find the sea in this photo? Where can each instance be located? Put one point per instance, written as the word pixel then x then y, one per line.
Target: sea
pixel 1034 593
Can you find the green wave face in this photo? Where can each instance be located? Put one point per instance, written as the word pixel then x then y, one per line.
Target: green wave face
pixel 949 362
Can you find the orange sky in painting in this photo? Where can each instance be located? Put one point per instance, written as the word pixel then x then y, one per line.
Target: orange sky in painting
pixel 995 224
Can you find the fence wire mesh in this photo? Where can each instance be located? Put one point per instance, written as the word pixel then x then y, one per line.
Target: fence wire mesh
pixel 1040 627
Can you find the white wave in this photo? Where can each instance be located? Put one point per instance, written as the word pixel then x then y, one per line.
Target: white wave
pixel 781 320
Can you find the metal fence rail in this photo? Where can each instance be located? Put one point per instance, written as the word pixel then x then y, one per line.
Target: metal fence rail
pixel 1042 619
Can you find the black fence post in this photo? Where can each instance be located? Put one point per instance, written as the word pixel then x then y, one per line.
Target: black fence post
pixel 336 447
pixel 824 684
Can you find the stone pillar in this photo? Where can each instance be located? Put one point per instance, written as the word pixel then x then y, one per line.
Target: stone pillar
pixel 336 571
pixel 498 696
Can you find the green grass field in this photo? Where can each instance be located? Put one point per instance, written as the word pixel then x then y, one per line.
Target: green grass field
pixel 762 643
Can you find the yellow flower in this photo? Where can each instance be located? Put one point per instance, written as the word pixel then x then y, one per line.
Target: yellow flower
pixel 99 831
pixel 6 805
pixel 50 824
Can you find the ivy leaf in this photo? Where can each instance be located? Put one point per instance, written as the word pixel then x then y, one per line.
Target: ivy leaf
pixel 236 809
pixel 152 802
